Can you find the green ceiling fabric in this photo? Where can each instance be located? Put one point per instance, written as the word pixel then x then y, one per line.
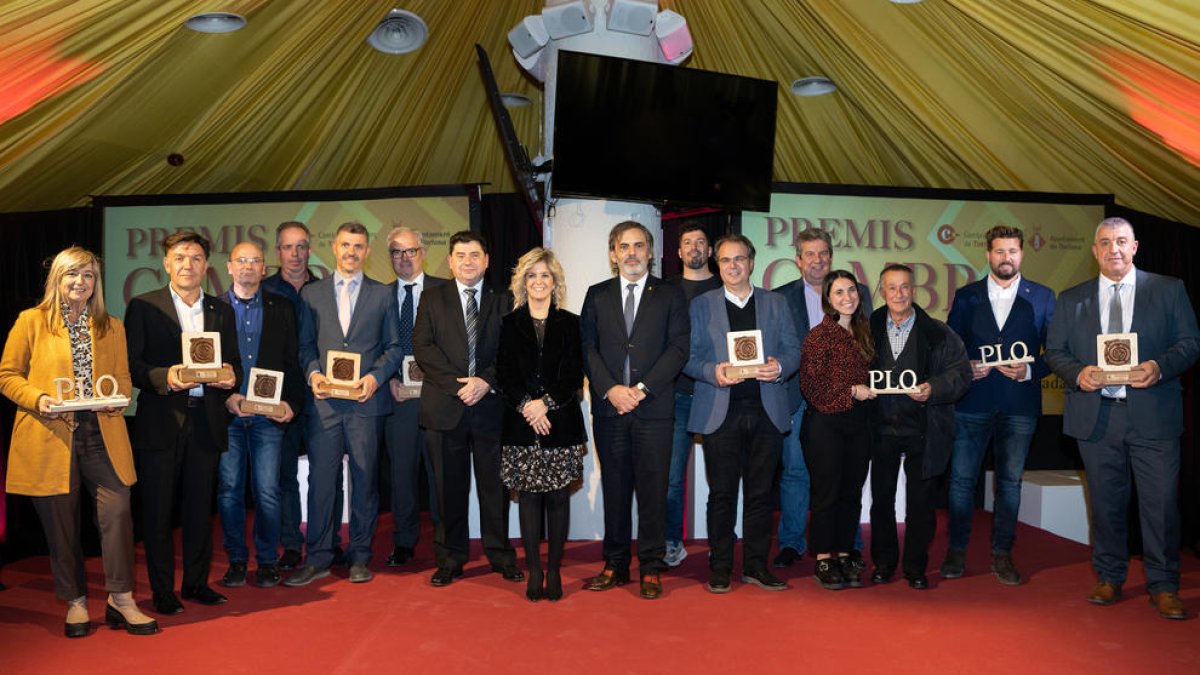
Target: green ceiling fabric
pixel 1055 95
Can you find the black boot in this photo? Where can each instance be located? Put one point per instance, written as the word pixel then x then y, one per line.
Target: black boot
pixel 558 521
pixel 529 508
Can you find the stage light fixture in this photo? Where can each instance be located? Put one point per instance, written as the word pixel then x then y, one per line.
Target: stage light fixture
pixel 528 36
pixel 570 18
pixel 534 64
pixel 215 22
pixel 632 16
pixel 673 35
pixel 813 86
pixel 399 32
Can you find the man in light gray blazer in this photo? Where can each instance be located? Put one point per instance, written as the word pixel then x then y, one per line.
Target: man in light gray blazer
pixel 1131 429
pixel 743 421
pixel 346 311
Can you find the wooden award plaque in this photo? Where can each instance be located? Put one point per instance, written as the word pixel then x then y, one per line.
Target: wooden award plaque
pixel 341 374
pixel 745 353
pixel 1116 355
pixel 263 393
pixel 104 395
pixel 202 359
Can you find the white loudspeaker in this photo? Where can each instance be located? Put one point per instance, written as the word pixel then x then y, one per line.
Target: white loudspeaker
pixel 534 64
pixel 528 36
pixel 632 16
pixel 673 35
pixel 571 18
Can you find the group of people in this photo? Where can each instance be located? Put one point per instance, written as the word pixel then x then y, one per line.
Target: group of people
pixel 838 390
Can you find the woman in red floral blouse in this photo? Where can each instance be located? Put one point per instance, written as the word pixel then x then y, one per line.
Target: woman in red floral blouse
pixel 836 434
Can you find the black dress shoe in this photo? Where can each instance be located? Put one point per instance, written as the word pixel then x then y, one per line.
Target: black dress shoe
pixel 204 595
pixel 509 572
pixel 918 582
pixel 400 555
pixel 882 574
pixel 116 621
pixel 764 580
pixel 77 630
pixel 851 569
pixel 290 559
pixel 266 576
pixel 360 573
pixel 786 558
pixel 306 575
pixel 651 588
pixel 444 577
pixel 166 604
pixel 718 582
pixel 608 578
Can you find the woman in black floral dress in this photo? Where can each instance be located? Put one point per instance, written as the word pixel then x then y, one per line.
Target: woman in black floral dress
pixel 540 369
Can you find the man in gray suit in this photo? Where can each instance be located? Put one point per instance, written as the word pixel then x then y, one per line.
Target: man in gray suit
pixel 743 420
pixel 346 311
pixel 1133 428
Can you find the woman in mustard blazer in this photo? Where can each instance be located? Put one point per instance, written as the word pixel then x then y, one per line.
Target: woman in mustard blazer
pixel 55 456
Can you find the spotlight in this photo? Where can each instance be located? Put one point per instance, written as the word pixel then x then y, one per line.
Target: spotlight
pixel 567 19
pixel 673 35
pixel 632 16
pixel 400 32
pixel 528 36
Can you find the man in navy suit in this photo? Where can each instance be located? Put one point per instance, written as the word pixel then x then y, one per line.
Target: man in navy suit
pixel 1127 429
pixel 402 432
pixel 455 340
pixel 351 312
pixel 1004 401
pixel 635 342
pixel 743 420
pixel 814 257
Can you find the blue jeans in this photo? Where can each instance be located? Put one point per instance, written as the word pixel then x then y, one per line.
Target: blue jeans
pixel 794 487
pixel 1010 436
pixel 254 445
pixel 681 450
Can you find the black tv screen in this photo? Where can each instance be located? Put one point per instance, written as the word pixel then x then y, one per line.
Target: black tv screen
pixel 648 132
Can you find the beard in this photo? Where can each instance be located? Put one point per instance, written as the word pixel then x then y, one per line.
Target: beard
pixel 696 262
pixel 1006 272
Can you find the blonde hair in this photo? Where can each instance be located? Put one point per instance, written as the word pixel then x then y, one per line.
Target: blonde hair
pixel 52 299
pixel 526 263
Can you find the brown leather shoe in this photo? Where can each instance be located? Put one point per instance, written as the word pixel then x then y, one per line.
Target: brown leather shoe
pixel 607 579
pixel 651 587
pixel 1105 593
pixel 1169 605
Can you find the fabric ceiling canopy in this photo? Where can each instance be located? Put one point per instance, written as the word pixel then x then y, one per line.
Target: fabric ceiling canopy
pixel 1099 96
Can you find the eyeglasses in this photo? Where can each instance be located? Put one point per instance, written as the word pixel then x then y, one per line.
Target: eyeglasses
pixel 404 252
pixel 739 259
pixel 247 261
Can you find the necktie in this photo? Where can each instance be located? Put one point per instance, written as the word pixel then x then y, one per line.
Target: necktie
pixel 1116 313
pixel 406 319
pixel 472 330
pixel 344 306
pixel 1116 324
pixel 628 326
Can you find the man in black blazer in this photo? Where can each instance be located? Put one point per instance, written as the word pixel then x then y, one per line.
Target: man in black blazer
pixel 635 342
pixel 1132 429
pixel 348 312
pixel 455 340
pixel 402 431
pixel 180 429
pixel 266 331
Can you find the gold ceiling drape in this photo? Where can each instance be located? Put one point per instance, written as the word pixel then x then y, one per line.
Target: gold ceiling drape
pixel 1042 95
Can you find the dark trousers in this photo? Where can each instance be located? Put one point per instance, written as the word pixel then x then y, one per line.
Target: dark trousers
pixel 635 455
pixel 185 474
pixel 405 441
pixel 356 437
pixel 920 521
pixel 745 449
pixel 837 451
pixel 290 535
pixel 92 470
pixel 1114 453
pixel 475 441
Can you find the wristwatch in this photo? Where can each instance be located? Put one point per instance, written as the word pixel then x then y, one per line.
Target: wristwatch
pixel 642 388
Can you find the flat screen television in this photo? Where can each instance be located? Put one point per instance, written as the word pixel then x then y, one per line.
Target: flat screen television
pixel 647 132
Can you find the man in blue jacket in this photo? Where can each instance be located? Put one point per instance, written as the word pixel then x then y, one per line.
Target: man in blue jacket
pixel 992 316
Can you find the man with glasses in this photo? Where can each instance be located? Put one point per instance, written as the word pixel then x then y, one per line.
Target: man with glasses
pixel 292 244
pixel 266 333
pixel 402 432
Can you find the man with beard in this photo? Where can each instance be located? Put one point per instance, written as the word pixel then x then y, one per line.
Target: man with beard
pixel 349 312
pixel 1004 402
pixel 635 342
pixel 694 252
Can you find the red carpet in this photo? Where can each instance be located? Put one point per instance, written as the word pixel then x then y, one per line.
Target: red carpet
pixel 398 623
